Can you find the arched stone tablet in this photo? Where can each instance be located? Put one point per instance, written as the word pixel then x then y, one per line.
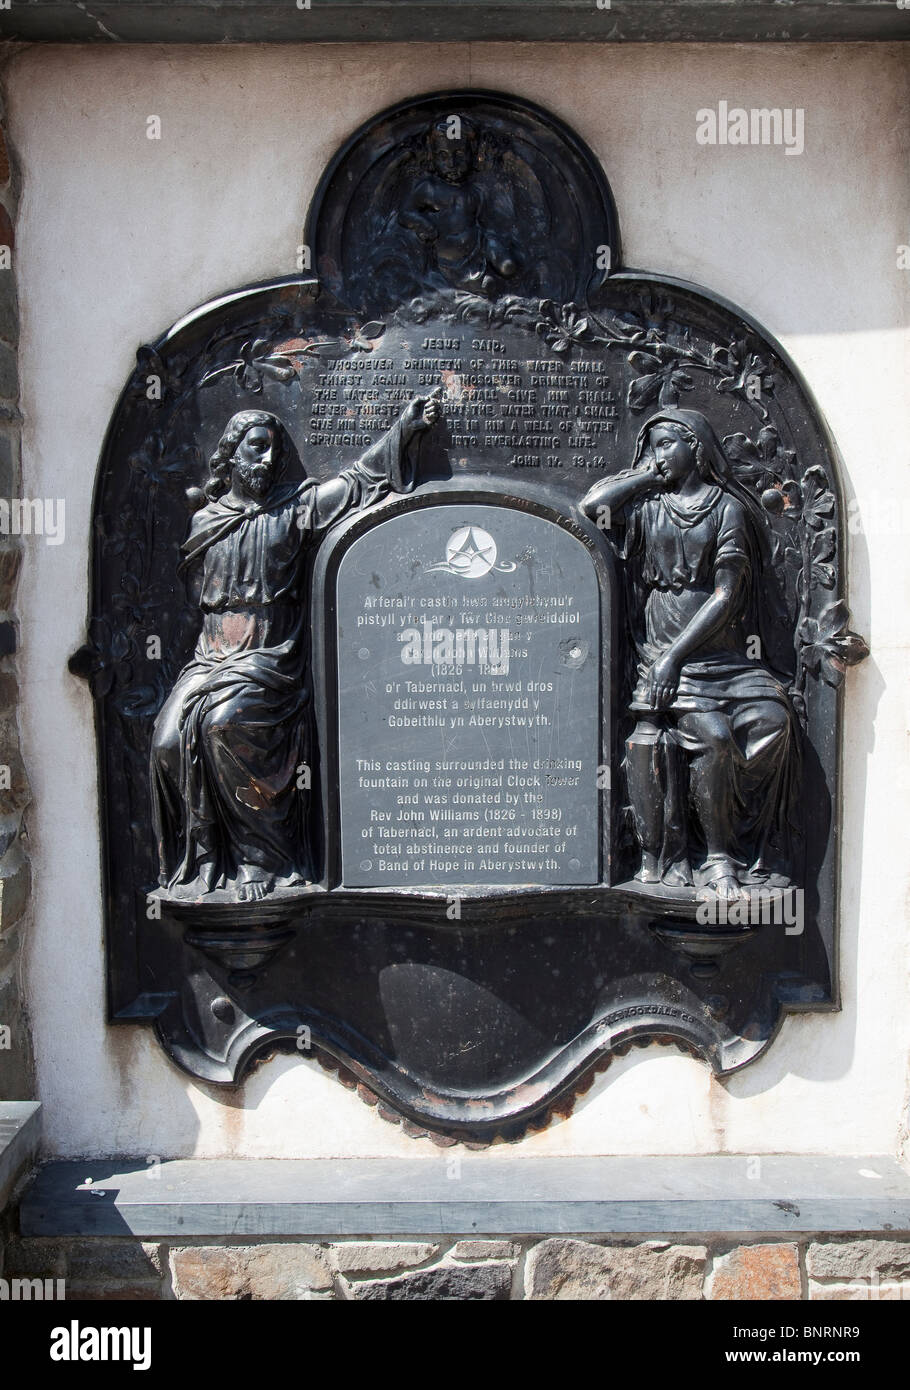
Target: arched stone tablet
pixel 469 670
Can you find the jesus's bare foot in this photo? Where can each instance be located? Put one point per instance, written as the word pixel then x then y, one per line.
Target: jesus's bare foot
pixel 284 882
pixel 648 873
pixel 253 883
pixel 205 881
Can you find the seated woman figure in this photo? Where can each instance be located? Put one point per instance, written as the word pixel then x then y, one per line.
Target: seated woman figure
pixel 713 762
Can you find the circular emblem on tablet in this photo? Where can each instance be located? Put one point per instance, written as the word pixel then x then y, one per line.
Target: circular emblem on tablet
pixel 471 553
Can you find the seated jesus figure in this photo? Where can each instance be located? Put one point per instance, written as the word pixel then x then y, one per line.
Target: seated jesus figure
pixel 232 743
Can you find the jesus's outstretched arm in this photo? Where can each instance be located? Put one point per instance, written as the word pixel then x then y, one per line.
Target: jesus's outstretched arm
pixel 385 466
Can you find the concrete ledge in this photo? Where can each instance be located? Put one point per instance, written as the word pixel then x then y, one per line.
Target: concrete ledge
pixel 464 1194
pixel 20 1130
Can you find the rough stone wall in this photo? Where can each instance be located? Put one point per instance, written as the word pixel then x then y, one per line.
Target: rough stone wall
pixel 481 1268
pixel 16 1070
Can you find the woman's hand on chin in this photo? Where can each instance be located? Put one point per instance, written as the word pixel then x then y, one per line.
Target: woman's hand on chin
pixel 656 480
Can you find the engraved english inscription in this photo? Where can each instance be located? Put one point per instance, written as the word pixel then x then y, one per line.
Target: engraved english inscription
pixel 469 697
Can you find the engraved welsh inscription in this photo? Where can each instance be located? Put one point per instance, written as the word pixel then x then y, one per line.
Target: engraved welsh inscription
pixel 469 696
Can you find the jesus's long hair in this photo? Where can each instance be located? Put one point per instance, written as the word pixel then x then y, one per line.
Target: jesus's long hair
pixel 222 461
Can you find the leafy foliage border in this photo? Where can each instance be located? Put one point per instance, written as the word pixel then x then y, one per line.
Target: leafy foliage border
pixel 665 360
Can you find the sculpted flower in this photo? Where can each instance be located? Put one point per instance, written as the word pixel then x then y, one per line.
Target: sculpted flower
pixel 661 378
pixel 154 464
pixel 652 318
pixel 829 646
pixel 744 371
pixel 130 600
pixel 761 463
pixel 118 534
pixel 818 499
pixel 103 660
pixel 255 365
pixel 154 378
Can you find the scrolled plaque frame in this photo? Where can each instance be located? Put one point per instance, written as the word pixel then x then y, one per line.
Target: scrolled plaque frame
pixel 596 765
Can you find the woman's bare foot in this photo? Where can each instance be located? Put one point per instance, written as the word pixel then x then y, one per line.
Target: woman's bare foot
pixel 678 876
pixel 727 888
pixel 721 880
pixel 207 876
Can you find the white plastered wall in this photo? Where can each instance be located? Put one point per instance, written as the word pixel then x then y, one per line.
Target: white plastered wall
pixel 119 235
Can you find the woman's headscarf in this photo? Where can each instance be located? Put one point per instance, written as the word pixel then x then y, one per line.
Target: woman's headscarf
pixel 767 602
pixel 719 469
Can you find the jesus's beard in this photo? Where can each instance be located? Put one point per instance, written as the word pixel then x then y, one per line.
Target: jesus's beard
pixel 256 478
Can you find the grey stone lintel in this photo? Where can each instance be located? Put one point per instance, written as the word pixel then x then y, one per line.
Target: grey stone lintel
pixel 20 1130
pixel 435 21
pixel 188 1198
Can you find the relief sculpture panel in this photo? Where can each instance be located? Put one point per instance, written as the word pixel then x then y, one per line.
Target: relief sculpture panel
pixel 467 635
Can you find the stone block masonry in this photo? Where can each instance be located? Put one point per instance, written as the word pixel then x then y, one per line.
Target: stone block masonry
pixel 17 1080
pixel 440 1268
